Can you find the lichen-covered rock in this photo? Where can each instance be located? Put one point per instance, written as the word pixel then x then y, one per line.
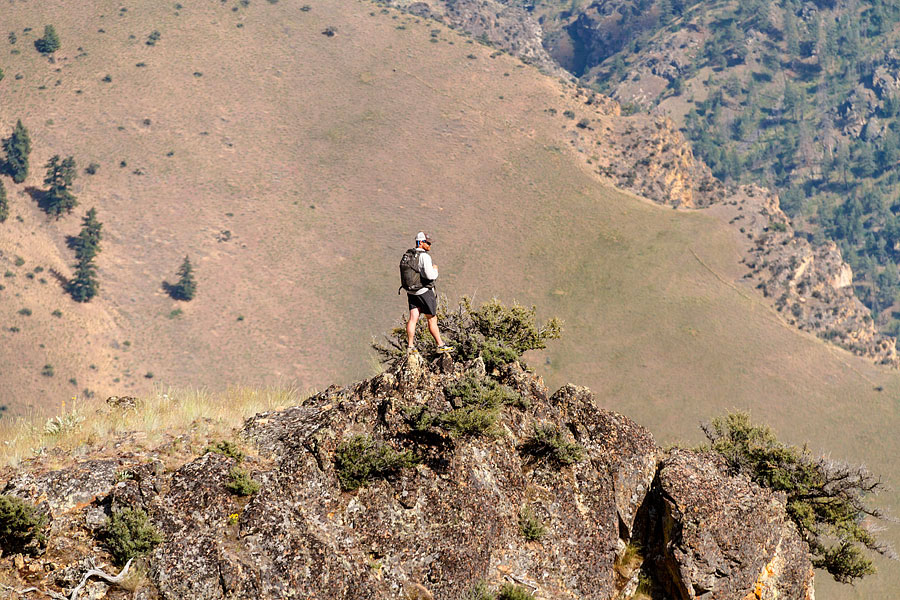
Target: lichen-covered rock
pixel 453 520
pixel 432 530
pixel 725 537
pixel 64 489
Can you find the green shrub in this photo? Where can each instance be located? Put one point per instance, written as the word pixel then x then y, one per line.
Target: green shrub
pixel 21 526
pixel 478 401
pixel 359 460
pixel 227 448
pixel 826 498
pixel 49 43
pixel 530 526
pixel 128 533
pixel 514 592
pixel 549 443
pixel 499 334
pixel 481 591
pixel 469 422
pixel 515 326
pixel 47 371
pixel 472 390
pixel 240 482
pixel 495 355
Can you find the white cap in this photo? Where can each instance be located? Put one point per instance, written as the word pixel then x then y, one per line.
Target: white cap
pixel 422 237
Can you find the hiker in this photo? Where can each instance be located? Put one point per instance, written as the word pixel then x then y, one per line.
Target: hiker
pixel 417 275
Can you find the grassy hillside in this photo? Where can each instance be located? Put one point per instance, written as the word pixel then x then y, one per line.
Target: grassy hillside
pixel 322 156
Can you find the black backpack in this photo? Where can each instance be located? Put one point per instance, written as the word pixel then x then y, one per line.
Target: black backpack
pixel 410 278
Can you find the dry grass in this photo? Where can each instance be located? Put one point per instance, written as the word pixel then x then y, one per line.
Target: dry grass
pixel 630 559
pixel 156 417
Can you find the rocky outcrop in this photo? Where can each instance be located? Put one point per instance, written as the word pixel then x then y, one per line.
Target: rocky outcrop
pixel 810 285
pixel 428 531
pixel 702 508
pixel 502 24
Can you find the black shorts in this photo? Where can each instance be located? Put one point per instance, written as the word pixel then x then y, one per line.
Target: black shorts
pixel 426 303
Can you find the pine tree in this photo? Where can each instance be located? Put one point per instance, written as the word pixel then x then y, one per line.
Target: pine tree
pixel 87 244
pixel 4 205
pixel 60 175
pixel 665 11
pixel 49 43
pixel 84 285
pixel 186 288
pixel 17 148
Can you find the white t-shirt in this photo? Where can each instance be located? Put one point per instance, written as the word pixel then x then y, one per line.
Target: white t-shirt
pixel 426 270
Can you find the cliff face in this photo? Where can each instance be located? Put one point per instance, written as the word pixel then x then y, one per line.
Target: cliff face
pixel 429 531
pixel 501 23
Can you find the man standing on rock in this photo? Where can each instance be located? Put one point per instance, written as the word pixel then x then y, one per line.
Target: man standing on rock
pixel 417 275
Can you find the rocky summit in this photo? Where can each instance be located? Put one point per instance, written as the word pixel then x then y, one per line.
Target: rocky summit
pixel 429 480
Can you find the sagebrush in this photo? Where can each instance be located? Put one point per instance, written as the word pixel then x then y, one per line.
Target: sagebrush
pixel 21 526
pixel 359 460
pixel 128 533
pixel 499 334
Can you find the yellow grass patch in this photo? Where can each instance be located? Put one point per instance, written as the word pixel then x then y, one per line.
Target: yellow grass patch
pixel 162 414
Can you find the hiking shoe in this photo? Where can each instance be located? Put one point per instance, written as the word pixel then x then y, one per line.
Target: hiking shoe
pixel 410 351
pixel 444 349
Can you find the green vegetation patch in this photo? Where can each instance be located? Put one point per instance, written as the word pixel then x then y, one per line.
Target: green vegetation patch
pixel 826 498
pixel 240 483
pixel 530 526
pixel 360 460
pixel 227 448
pixel 21 526
pixel 477 402
pixel 481 591
pixel 549 443
pixel 497 333
pixel 129 533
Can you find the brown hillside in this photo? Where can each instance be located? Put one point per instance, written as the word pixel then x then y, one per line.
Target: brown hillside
pixel 384 133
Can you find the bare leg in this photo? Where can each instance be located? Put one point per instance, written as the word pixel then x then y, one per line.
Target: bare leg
pixel 433 328
pixel 411 327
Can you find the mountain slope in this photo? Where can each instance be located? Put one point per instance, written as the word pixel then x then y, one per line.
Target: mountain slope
pixel 798 97
pixel 385 133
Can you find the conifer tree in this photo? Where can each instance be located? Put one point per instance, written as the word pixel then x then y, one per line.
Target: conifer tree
pixel 87 244
pixel 186 288
pixel 4 204
pixel 17 148
pixel 49 43
pixel 84 285
pixel 60 175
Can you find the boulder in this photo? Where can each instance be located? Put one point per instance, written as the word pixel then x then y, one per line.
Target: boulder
pixel 725 537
